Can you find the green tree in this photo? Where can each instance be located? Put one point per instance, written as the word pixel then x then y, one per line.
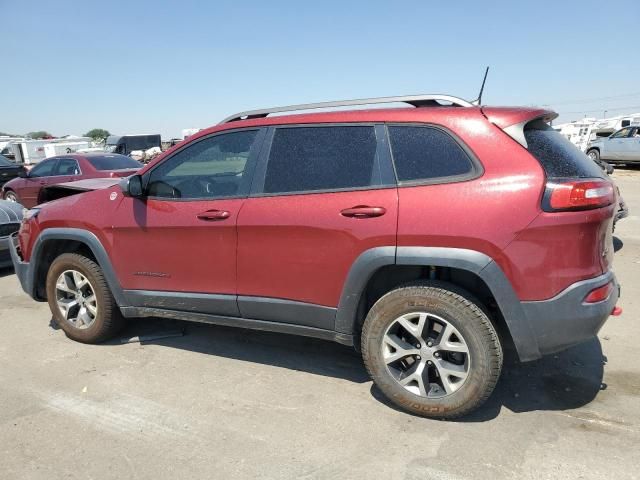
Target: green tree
pixel 40 134
pixel 97 134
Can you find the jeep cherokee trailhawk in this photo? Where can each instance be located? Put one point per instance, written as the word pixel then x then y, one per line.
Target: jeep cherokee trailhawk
pixel 430 237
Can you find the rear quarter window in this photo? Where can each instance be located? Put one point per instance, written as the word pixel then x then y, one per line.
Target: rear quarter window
pixel 558 156
pixel 422 153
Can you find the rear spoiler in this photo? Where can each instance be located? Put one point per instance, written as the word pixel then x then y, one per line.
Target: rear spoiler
pixel 513 120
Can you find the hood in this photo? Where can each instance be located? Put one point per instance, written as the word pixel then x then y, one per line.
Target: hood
pixel 87 184
pixel 61 190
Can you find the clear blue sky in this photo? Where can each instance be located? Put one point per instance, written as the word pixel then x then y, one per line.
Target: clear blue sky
pixel 149 65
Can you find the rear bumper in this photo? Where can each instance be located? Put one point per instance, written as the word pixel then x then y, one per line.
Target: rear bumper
pixel 22 269
pixel 565 320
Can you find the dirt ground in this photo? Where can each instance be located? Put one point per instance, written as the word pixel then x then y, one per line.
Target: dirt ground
pixel 228 403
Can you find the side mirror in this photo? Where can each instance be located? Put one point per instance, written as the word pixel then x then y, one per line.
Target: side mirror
pixel 23 172
pixel 132 186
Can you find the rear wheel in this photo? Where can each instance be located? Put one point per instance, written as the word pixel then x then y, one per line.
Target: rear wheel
pixel 431 350
pixel 80 299
pixel 11 196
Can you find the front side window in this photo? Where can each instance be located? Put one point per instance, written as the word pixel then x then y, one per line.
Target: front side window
pixel 427 153
pixel 67 166
pixel 211 168
pixel 624 133
pixel 43 169
pixel 305 159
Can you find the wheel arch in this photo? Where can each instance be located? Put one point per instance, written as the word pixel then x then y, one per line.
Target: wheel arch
pixel 468 269
pixel 53 242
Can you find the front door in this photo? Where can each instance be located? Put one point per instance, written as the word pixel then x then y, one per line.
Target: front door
pixel 615 145
pixel 38 177
pixel 176 248
pixel 322 196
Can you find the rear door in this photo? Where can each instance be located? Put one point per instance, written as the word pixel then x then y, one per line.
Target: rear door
pixel 323 194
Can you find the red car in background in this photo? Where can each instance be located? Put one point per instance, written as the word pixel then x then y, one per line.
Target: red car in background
pixel 27 189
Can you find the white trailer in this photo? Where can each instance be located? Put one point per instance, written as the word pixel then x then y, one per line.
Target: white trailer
pixel 29 152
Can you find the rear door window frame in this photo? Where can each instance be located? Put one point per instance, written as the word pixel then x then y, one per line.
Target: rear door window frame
pixel 382 162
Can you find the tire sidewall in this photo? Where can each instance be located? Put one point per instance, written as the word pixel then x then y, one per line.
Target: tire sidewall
pixel 462 316
pixel 73 262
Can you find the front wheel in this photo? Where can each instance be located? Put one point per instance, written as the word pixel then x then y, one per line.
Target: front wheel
pixel 10 196
pixel 80 299
pixel 431 350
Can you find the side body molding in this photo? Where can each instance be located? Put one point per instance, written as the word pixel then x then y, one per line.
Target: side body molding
pixel 92 242
pixel 470 260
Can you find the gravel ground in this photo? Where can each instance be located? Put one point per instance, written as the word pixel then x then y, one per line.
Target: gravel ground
pixel 227 403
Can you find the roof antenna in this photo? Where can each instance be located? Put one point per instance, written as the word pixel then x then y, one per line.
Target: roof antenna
pixel 478 101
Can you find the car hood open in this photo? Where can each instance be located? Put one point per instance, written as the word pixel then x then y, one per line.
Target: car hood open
pixel 61 190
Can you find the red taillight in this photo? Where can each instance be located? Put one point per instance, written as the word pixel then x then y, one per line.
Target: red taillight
pixel 578 195
pixel 599 294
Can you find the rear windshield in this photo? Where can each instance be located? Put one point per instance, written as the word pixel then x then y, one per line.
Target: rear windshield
pixel 558 156
pixel 5 162
pixel 113 162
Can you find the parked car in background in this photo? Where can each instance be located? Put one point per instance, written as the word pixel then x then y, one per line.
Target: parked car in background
pixel 10 218
pixel 66 168
pixel 125 144
pixel 401 231
pixel 622 146
pixel 9 170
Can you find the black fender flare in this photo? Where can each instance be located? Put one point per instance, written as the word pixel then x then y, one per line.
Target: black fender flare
pixel 473 261
pixel 92 242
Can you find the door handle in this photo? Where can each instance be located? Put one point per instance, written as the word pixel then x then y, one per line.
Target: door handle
pixel 363 211
pixel 212 215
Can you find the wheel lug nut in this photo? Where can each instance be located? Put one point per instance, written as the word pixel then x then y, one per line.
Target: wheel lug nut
pixel 419 357
pixel 418 346
pixel 437 355
pixel 429 344
pixel 429 362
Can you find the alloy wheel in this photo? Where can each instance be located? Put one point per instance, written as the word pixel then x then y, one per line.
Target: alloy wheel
pixel 76 299
pixel 426 354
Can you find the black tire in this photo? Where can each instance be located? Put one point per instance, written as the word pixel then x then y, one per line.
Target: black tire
pixel 463 312
pixel 108 320
pixel 11 196
pixel 594 155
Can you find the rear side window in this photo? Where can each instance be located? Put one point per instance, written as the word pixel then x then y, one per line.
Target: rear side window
pixel 113 162
pixel 558 156
pixel 425 153
pixel 322 158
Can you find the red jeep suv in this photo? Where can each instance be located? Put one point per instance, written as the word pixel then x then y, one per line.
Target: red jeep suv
pixel 430 237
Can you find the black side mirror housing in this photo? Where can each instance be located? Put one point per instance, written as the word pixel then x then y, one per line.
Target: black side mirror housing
pixel 132 186
pixel 23 172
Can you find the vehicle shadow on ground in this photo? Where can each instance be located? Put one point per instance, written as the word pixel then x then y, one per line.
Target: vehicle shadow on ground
pixel 563 381
pixel 5 272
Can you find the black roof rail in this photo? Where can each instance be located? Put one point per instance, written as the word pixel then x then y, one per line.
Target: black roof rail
pixel 427 100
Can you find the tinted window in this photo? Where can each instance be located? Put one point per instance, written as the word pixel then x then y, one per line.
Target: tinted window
pixel 423 153
pixel 321 158
pixel 67 166
pixel 113 162
pixel 558 156
pixel 209 168
pixel 43 169
pixel 5 162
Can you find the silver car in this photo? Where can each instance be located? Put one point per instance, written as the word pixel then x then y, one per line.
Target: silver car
pixel 622 146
